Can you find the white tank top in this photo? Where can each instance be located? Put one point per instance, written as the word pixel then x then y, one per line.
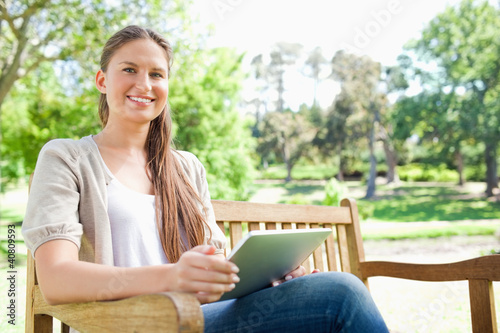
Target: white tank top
pixel 135 237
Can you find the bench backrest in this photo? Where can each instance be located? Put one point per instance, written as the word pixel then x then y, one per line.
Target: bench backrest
pixel 238 217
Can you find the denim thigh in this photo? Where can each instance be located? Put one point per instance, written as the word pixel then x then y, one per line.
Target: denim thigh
pixel 319 302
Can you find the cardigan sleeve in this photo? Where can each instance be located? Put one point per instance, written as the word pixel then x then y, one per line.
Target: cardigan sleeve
pixel 52 209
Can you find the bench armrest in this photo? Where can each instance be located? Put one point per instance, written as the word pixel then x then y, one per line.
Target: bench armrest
pixel 162 312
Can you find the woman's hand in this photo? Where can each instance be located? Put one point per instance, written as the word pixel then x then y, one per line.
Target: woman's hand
pixel 206 275
pixel 298 272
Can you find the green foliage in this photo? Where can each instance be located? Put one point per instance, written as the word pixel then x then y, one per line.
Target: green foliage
pixel 204 92
pixel 36 111
pixel 298 199
pixel 475 173
pixel 58 99
pixel 286 134
pixel 300 172
pixel 463 43
pixel 426 172
pixel 334 192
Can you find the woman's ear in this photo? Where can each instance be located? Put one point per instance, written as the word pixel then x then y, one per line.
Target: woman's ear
pixel 100 81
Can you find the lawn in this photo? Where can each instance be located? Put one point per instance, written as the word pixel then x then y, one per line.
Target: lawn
pixel 434 209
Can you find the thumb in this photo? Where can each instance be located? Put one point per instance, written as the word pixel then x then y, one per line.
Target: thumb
pixel 205 249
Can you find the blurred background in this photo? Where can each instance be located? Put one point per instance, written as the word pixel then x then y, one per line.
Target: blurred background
pixel 393 103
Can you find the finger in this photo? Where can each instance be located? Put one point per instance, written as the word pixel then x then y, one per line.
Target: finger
pixel 298 272
pixel 204 298
pixel 205 287
pixel 277 282
pixel 210 262
pixel 205 249
pixel 315 271
pixel 205 275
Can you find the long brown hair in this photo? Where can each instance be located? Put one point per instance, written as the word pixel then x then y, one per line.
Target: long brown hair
pixel 177 203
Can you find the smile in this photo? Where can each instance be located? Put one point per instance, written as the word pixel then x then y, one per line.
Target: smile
pixel 141 100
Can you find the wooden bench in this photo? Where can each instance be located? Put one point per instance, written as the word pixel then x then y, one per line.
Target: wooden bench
pixel 342 251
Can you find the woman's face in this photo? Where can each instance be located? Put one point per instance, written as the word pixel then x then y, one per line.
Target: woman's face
pixel 135 82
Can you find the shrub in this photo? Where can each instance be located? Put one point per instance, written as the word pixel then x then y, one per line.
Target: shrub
pixel 298 199
pixel 334 192
pixel 424 172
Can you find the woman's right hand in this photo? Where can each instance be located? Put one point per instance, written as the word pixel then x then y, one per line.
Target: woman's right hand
pixel 206 275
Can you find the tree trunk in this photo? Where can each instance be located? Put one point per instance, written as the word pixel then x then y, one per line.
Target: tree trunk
pixel 392 161
pixel 10 73
pixel 370 191
pixel 459 158
pixel 491 168
pixel 1 140
pixel 288 172
pixel 281 90
pixel 340 175
pixel 390 156
pixel 286 159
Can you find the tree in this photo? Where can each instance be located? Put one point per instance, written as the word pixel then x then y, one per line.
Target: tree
pixel 36 111
pixel 315 62
pixel 336 135
pixel 288 135
pixel 204 95
pixel 67 33
pixel 441 121
pixel 359 78
pixel 463 42
pixel 272 72
pixel 204 87
pixel 395 82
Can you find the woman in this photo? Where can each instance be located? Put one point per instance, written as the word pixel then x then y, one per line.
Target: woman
pixel 122 213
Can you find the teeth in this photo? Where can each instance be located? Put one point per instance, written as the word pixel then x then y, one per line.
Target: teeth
pixel 142 100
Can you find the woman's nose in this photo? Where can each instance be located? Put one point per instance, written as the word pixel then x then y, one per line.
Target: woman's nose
pixel 143 83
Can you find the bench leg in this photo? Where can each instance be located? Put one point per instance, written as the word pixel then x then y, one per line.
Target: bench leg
pixel 482 306
pixel 43 323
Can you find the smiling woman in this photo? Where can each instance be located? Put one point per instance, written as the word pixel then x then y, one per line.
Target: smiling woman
pixel 125 205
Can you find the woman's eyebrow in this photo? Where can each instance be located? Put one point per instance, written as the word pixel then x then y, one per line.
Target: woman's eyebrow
pixel 131 63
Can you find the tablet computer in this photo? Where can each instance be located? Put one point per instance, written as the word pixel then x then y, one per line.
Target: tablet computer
pixel 267 255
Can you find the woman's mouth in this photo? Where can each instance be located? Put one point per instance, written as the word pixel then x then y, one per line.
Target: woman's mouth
pixel 140 99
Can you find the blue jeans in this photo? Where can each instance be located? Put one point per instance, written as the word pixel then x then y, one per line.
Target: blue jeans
pixel 319 302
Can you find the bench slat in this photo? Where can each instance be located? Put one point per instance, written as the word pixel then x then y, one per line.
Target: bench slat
pixel 318 253
pixel 486 267
pixel 258 212
pixel 330 250
pixel 270 226
pixel 236 232
pixel 345 263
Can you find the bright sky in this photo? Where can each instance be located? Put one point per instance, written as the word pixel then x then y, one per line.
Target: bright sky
pixel 377 28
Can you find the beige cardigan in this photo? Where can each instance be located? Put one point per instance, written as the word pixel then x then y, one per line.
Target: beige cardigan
pixel 68 199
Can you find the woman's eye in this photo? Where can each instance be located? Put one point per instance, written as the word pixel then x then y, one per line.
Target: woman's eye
pixel 157 75
pixel 129 70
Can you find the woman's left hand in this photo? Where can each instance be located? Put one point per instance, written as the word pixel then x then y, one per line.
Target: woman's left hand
pixel 298 272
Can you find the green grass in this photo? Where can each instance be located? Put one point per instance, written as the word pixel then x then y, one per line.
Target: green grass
pixel 407 231
pixel 440 202
pixel 11 214
pixel 463 207
pixel 401 209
